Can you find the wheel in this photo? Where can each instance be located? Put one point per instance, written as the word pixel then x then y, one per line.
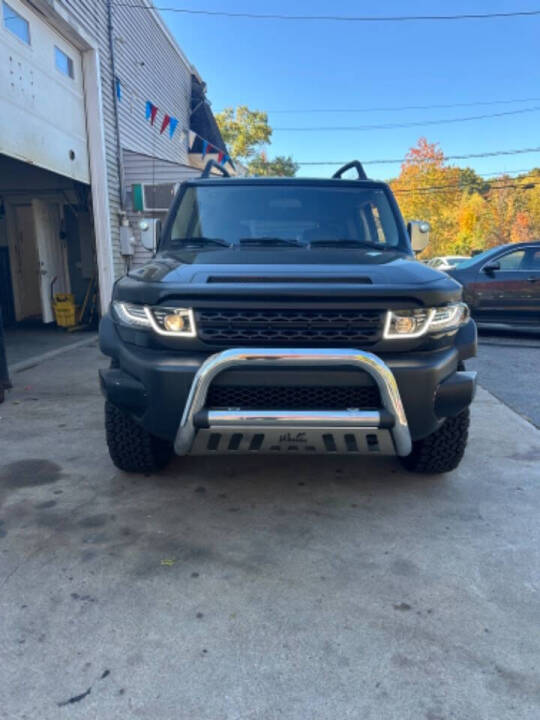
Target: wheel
pixel 132 448
pixel 443 450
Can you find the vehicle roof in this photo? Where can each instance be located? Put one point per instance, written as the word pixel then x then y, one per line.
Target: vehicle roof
pixel 509 246
pixel 337 182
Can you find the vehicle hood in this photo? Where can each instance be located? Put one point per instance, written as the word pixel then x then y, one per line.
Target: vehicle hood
pixel 275 266
pixel 274 275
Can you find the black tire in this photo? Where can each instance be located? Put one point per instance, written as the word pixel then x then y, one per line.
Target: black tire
pixel 132 448
pixel 443 450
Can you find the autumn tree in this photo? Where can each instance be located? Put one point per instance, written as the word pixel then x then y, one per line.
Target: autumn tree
pixel 466 212
pixel 472 217
pixel 429 189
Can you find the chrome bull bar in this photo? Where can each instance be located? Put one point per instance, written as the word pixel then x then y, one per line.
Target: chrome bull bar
pixel 208 431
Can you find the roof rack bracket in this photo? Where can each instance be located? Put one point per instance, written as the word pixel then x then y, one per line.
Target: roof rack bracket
pixel 354 164
pixel 213 164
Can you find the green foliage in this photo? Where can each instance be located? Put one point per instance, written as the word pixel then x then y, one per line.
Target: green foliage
pixel 280 166
pixel 470 182
pixel 243 130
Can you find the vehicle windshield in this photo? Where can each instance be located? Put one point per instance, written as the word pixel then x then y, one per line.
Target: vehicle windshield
pixel 283 216
pixel 474 259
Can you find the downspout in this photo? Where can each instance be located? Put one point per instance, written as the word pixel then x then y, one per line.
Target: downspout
pixel 119 158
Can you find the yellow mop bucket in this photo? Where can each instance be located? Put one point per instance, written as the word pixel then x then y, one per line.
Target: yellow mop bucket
pixel 65 310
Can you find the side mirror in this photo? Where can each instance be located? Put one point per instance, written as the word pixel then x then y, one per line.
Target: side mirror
pixel 491 267
pixel 150 232
pixel 419 233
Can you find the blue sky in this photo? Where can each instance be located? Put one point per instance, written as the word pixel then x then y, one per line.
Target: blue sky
pixel 282 65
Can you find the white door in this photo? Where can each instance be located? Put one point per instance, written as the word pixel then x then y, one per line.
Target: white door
pixel 25 264
pixel 52 256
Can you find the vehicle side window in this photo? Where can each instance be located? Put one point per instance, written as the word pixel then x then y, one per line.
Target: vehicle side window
pixel 512 260
pixel 532 261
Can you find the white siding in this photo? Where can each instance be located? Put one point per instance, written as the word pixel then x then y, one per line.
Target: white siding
pixel 145 169
pixel 149 68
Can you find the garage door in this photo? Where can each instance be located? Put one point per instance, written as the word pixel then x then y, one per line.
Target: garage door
pixel 42 109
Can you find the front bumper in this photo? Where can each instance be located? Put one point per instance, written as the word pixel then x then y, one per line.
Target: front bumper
pixel 353 430
pixel 154 387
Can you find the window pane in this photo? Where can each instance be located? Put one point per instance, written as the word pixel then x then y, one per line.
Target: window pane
pixel 532 261
pixel 15 23
pixel 63 62
pixel 512 261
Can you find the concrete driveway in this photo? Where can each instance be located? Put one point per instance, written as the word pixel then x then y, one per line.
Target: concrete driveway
pixel 256 588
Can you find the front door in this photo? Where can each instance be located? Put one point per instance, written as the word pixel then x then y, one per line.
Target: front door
pixel 531 271
pixel 54 276
pixel 502 295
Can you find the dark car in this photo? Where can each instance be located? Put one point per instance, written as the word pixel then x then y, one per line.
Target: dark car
pixel 502 285
pixel 286 315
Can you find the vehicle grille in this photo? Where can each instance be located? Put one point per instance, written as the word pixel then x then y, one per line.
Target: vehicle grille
pixel 259 327
pixel 255 397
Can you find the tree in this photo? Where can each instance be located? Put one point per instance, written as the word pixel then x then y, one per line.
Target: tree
pixel 243 130
pixel 281 165
pixel 472 223
pixel 470 182
pixel 429 189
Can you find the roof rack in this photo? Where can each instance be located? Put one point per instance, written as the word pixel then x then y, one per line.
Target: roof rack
pixel 213 164
pixel 354 164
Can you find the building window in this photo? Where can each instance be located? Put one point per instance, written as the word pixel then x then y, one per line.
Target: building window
pixel 15 23
pixel 63 62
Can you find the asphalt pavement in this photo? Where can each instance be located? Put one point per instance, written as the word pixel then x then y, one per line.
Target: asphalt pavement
pixel 261 588
pixel 508 366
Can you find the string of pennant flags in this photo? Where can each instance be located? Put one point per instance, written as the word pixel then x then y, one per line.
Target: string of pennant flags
pixel 206 148
pixel 170 123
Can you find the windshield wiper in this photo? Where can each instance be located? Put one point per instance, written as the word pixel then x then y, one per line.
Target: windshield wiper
pixel 271 241
pixel 345 243
pixel 200 241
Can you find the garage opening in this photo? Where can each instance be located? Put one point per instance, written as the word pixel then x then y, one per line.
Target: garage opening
pixel 48 273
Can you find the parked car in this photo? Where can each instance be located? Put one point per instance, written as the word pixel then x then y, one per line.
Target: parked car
pixel 446 262
pixel 502 285
pixel 287 315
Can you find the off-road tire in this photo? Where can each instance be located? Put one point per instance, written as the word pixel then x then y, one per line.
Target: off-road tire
pixel 132 448
pixel 443 450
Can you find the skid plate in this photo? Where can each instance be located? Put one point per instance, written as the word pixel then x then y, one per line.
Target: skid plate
pixel 299 441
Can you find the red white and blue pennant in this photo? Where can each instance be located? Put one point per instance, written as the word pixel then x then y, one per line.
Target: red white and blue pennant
pixel 169 121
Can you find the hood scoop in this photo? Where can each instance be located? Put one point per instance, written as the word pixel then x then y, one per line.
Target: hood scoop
pixel 287 279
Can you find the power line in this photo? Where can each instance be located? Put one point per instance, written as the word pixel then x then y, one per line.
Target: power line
pixel 445 191
pixel 336 18
pixel 386 161
pixel 424 189
pixel 490 177
pixel 416 123
pixel 400 108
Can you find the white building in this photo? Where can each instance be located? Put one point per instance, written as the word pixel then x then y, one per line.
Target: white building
pixel 95 98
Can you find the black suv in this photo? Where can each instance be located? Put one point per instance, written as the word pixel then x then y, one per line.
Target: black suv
pixel 287 316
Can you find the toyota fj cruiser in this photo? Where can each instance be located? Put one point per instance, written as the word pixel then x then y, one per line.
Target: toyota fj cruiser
pixel 287 315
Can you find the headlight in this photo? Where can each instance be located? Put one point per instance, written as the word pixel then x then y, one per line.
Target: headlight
pixel 169 321
pixel 415 323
